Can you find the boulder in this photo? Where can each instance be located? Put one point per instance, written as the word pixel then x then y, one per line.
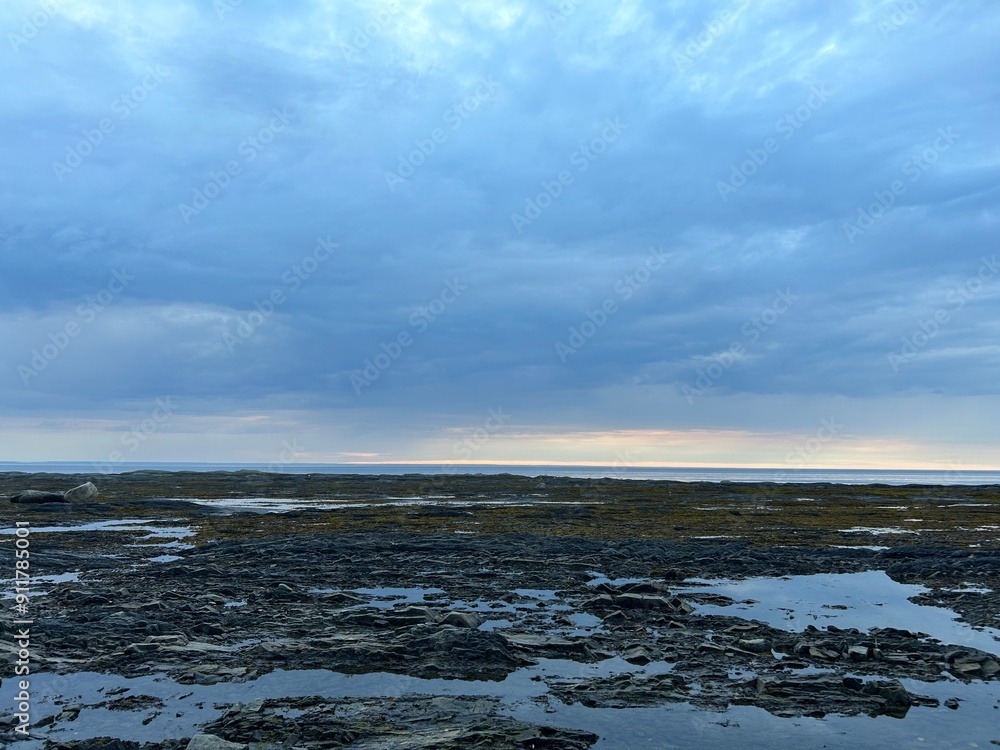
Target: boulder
pixel 79 494
pixel 84 492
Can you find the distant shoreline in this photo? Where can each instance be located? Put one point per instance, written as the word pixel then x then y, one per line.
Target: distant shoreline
pixel 927 477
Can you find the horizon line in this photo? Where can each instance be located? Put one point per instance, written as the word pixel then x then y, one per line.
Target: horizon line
pixel 500 464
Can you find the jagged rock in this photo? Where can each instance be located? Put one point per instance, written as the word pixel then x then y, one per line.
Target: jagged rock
pixel 462 620
pixel 653 601
pixel 406 723
pixel 972 662
pixel 857 653
pixel 548 645
pixel 410 616
pixel 637 655
pixel 621 691
pixel 228 581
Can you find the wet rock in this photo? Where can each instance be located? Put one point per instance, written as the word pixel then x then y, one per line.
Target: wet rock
pixel 798 695
pixel 119 621
pixel 637 597
pixel 615 618
pixel 112 743
pixel 642 587
pixel 755 645
pixel 653 601
pixel 550 646
pixel 858 653
pixel 637 655
pixel 462 620
pixel 410 616
pixel 405 723
pixel 710 647
pixel 37 496
pixel 972 662
pixel 86 491
pixel 809 694
pixel 131 703
pixel 621 691
pixel 209 628
pixel 211 742
pixel 138 648
pixel 340 598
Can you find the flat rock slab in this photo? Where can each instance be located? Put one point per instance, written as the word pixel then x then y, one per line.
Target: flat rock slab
pixel 211 742
pixel 37 496
pixel 405 723
pixel 783 695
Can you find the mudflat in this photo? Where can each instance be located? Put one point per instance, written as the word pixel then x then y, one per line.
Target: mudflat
pixel 475 611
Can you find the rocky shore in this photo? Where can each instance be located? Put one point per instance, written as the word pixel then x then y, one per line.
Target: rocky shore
pixel 496 612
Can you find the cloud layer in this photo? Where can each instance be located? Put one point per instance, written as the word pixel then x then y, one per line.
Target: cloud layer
pixel 369 223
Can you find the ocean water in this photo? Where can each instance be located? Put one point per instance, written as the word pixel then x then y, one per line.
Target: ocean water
pixel 783 475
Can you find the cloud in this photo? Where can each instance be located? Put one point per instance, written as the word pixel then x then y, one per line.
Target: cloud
pixel 279 122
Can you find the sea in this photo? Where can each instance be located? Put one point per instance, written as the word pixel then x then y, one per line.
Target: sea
pixel 677 474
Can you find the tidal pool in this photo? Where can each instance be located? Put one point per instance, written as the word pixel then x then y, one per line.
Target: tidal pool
pixel 135 524
pixel 286 504
pixel 868 599
pixel 847 600
pixel 677 725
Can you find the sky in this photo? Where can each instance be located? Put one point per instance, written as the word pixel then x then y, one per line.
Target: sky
pixel 631 233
